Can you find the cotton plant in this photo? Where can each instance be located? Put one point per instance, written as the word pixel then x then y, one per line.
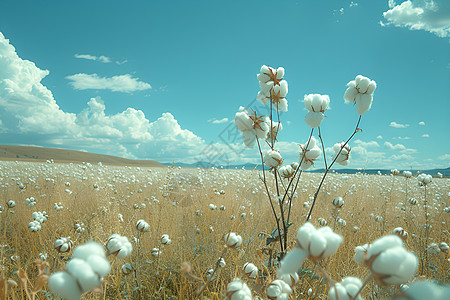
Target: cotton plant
pixel 360 92
pixel 316 105
pixel 118 246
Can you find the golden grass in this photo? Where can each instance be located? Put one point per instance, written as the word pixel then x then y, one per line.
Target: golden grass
pixel 172 196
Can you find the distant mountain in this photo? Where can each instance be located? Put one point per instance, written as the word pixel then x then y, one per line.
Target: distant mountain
pixel 248 166
pixel 38 154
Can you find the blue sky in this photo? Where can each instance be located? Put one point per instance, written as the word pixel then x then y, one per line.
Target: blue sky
pixel 163 79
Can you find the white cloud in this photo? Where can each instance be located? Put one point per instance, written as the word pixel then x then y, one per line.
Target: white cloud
pixel 396 147
pixel 101 58
pixel 422 123
pixel 401 157
pixel 379 137
pixel 120 83
pixel 444 157
pixel 367 144
pixel 409 151
pixel 426 135
pixel 403 138
pixel 429 15
pixel 214 121
pixel 353 4
pixel 397 125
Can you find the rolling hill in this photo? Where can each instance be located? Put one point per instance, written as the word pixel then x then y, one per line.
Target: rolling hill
pixel 38 154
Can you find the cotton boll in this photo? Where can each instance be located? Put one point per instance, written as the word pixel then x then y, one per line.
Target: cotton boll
pixel 307 100
pixel 90 248
pixel 304 234
pixel 363 103
pixel 314 119
pixel 338 291
pixel 383 243
pixel 282 106
pixel 99 265
pixel 280 73
pixel 317 245
pixel 350 94
pixel 372 87
pixel 64 285
pixel 314 153
pixel 83 273
pixel 263 77
pixel 283 88
pixel 264 69
pixel 359 253
pixel 333 240
pixel 363 84
pixel 306 164
pixel 263 98
pixel 292 262
pixel 316 102
pixel 243 121
pixel 249 138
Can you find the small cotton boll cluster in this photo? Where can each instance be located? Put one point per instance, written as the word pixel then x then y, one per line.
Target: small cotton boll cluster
pixel 251 126
pixel 316 105
pixel 11 203
pixel 273 87
pixel 63 244
pixel 155 252
pixel 346 289
pixel 212 207
pixel 273 132
pixel 272 159
pixel 286 171
pixel 119 246
pixel 232 240
pixel 165 240
pixel 360 252
pixel 238 290
pixel 424 179
pixel 313 243
pixel 278 290
pixel 126 269
pixel 290 279
pixel 250 270
pixel 401 233
pixel 142 226
pixel 79 227
pixel 389 261
pixel 322 222
pixel 58 206
pixel 82 273
pixel 41 217
pixel 395 172
pixel 34 226
pixel 407 174
pixel 360 91
pixel 433 248
pixel 310 153
pixel 343 155
pixel 444 247
pixel 30 201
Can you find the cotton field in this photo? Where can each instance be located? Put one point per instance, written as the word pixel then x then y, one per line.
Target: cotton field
pixel 108 232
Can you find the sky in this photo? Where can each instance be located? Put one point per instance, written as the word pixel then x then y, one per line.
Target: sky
pixel 163 80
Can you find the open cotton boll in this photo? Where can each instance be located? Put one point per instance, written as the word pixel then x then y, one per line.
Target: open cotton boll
pixel 88 249
pixel 350 93
pixel 359 253
pixel 243 121
pixel 313 153
pixel 83 273
pixel 398 263
pixel 265 69
pixel 277 288
pixel 272 158
pixel 99 265
pixel 292 262
pixel 314 119
pixel 281 106
pixel 345 289
pixel 372 87
pixel 263 97
pixel 383 243
pixel 280 73
pixel 333 240
pixel 362 84
pixel 238 290
pixel 312 143
pixel 263 77
pixel 317 244
pixel 304 234
pixel 249 138
pixel 64 285
pixel 363 103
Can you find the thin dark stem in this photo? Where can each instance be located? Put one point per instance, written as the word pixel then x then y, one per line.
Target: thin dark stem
pixel 323 149
pixel 329 167
pixel 268 194
pixel 292 195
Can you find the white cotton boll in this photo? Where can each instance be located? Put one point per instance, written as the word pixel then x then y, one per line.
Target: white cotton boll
pixel 263 77
pixel 307 100
pixel 264 69
pixel 304 234
pixel 316 102
pixel 90 248
pixel 282 105
pixel 262 97
pixel 363 103
pixel 383 243
pixel 314 153
pixel 238 290
pixel 249 138
pixel 388 261
pixel 317 245
pixel 359 253
pixel 350 95
pixel 243 121
pixel 341 292
pixel 272 158
pixel 292 262
pixel 99 265
pixel 276 288
pixel 363 84
pixel 306 164
pixel 372 87
pixel 290 279
pixel 64 285
pixel 283 88
pixel 83 273
pixel 280 73
pixel 333 240
pixel 314 119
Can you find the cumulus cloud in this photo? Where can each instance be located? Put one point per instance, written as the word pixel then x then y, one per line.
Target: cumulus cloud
pixel 214 121
pixel 401 157
pixel 120 83
pixel 379 137
pixel 367 144
pixel 426 135
pixel 394 147
pixel 409 151
pixel 422 123
pixel 101 58
pixel 397 125
pixel 29 114
pixel 444 157
pixel 429 15
pixel 403 138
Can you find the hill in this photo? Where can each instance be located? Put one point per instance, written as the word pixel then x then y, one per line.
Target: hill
pixel 38 154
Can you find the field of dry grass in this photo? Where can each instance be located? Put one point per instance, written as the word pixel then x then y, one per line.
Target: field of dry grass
pixel 105 200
